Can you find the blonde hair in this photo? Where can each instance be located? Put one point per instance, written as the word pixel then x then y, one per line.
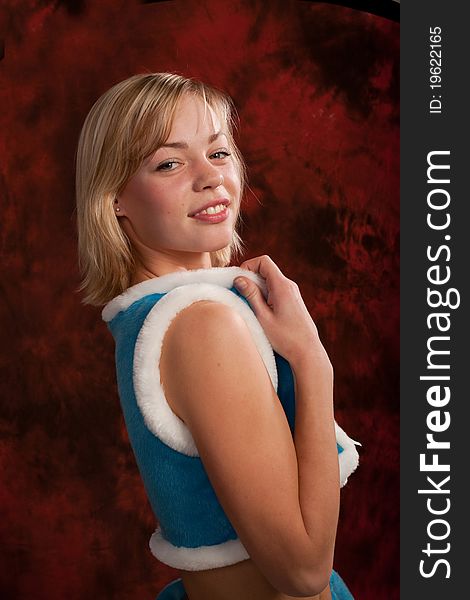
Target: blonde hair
pixel 125 126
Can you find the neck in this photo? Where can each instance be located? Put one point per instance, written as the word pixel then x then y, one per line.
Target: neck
pixel 162 263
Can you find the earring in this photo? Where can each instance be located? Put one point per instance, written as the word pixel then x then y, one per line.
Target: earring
pixel 116 208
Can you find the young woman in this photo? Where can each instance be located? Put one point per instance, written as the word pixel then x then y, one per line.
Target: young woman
pixel 226 389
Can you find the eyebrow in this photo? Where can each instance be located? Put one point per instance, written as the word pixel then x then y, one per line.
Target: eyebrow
pixel 184 145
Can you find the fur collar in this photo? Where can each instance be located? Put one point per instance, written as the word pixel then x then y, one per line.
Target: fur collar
pixel 222 276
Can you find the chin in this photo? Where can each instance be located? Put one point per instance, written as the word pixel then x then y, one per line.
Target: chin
pixel 214 248
pixel 218 242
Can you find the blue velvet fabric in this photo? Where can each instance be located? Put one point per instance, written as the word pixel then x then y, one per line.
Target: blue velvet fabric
pixel 179 491
pixel 339 590
pixel 175 590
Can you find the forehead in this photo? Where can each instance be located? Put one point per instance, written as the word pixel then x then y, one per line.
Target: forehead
pixel 193 117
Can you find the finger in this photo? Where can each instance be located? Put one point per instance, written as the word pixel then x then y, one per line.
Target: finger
pixel 252 293
pixel 263 265
pixel 273 276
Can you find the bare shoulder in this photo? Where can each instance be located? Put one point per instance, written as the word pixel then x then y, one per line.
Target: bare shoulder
pixel 207 346
pixel 208 322
pixel 207 315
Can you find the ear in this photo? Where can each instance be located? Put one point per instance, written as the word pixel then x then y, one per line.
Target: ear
pixel 118 209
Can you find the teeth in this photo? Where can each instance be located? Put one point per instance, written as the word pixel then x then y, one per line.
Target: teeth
pixel 212 210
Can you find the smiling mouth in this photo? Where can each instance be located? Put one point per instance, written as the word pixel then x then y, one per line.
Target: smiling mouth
pixel 212 210
pixel 213 214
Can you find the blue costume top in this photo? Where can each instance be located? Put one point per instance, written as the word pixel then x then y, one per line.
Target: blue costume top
pixel 194 533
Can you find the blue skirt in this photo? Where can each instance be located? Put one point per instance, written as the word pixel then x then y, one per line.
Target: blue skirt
pixel 175 590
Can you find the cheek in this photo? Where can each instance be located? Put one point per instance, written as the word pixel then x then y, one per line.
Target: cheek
pixel 232 175
pixel 236 185
pixel 158 211
pixel 143 201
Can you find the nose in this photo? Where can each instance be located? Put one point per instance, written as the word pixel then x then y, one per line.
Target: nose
pixel 207 176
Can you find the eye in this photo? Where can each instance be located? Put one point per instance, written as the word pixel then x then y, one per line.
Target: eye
pixel 166 166
pixel 220 154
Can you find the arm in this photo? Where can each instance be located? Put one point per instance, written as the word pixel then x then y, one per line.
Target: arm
pixel 282 503
pixel 294 335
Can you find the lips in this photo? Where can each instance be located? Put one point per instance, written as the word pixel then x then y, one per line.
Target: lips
pixel 223 201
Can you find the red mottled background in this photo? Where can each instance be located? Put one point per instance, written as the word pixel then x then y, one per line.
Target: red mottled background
pixel 316 86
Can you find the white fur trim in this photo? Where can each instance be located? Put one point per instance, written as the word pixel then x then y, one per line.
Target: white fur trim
pixel 197 559
pixel 222 276
pixel 158 416
pixel 348 458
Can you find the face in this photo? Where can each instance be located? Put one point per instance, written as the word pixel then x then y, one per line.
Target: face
pixel 160 207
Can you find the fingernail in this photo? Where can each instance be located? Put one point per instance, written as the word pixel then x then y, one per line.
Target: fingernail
pixel 240 283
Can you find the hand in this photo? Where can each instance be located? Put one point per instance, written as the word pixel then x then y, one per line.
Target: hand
pixel 283 314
